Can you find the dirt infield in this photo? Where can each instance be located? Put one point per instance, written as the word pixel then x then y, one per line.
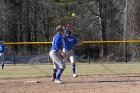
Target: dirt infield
pixel 81 84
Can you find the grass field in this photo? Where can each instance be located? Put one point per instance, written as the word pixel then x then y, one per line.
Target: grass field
pixel 36 70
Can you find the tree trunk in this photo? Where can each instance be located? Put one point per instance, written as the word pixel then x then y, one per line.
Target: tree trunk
pixel 133 29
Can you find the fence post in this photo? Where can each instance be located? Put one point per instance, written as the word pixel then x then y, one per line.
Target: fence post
pixel 88 54
pixel 14 59
pixel 126 53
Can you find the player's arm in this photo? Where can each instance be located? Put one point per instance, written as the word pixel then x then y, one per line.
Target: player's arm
pixel 77 41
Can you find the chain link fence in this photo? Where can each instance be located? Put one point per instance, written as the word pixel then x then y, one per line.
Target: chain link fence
pixel 84 53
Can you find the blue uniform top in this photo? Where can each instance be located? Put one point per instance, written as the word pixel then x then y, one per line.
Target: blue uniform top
pixel 1 48
pixel 69 42
pixel 57 42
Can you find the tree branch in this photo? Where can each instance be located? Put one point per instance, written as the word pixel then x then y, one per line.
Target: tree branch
pixel 92 11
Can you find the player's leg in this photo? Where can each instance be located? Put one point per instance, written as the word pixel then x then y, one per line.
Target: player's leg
pixel 2 60
pixel 55 67
pixel 72 60
pixel 59 61
pixel 60 70
pixel 53 56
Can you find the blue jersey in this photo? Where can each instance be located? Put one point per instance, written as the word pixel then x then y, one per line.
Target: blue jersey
pixel 1 48
pixel 69 42
pixel 57 42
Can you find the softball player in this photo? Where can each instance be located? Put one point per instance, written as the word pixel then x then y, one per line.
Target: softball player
pixel 2 54
pixel 69 42
pixel 57 55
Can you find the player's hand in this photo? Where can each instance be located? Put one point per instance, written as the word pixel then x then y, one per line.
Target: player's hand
pixel 63 54
pixel 79 41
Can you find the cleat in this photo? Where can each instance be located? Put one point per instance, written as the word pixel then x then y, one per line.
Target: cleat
pixel 58 82
pixel 75 75
pixel 52 79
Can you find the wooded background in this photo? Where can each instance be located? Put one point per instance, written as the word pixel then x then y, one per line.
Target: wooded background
pixel 35 21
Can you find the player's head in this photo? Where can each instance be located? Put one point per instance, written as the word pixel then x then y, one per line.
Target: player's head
pixel 59 29
pixel 68 26
pixel 68 31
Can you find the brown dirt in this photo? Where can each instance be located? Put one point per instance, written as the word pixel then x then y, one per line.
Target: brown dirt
pixel 81 84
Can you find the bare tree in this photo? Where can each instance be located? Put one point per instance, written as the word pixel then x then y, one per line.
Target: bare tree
pixel 132 29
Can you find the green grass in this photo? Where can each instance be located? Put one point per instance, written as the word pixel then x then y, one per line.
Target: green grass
pixel 35 70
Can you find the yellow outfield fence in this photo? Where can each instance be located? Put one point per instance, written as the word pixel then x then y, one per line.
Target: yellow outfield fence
pixel 119 41
pixel 82 42
pixel 86 54
pixel 22 43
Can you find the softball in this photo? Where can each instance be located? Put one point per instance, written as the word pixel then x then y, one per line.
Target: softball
pixel 73 14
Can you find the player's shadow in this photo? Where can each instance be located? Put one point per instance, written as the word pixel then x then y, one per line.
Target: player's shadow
pixel 103 81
